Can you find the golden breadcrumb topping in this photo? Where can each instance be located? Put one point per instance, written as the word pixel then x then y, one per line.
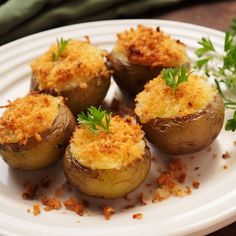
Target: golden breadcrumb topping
pixel 123 145
pixel 79 63
pixel 28 117
pixel 151 47
pixel 158 100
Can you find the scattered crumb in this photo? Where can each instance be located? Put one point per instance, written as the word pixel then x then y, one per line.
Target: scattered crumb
pixel 234 142
pixel 138 216
pixel 225 167
pixel 195 184
pixel 226 155
pixel 73 205
pixel 187 190
pixel 181 178
pixel 28 210
pixel 50 203
pixel 142 200
pixel 108 212
pixel 36 209
pixel 29 191
pixel 196 168
pixel 169 182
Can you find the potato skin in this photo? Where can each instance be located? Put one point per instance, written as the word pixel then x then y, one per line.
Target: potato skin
pixel 106 183
pixel 37 155
pixel 187 134
pixel 79 99
pixel 131 78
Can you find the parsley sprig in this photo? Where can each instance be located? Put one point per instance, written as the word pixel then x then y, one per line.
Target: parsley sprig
pixel 61 45
pixel 225 72
pixel 174 77
pixel 96 119
pixel 209 57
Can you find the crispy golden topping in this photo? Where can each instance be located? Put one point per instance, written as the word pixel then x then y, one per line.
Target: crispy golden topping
pixel 28 117
pixel 79 63
pixel 121 146
pixel 158 100
pixel 29 191
pixel 146 46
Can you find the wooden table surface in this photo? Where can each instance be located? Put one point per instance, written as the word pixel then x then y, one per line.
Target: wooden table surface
pixel 213 14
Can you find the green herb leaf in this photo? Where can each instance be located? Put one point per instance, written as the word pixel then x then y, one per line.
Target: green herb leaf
pixel 96 119
pixel 231 123
pixel 233 26
pixel 174 77
pixel 61 45
pixel 225 71
pixel 200 63
pixel 207 46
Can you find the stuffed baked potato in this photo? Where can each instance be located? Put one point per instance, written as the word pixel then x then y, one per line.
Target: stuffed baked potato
pixel 79 74
pixel 183 122
pixel 107 164
pixel 140 54
pixel 34 131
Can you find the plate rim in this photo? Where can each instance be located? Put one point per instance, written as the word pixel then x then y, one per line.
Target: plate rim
pixel 222 219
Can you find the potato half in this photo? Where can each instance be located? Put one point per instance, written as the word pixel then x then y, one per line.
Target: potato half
pixel 107 165
pixel 140 54
pixel 183 123
pixel 80 75
pixel 35 131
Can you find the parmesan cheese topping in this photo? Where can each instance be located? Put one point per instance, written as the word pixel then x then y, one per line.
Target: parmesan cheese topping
pixel 123 145
pixel 159 100
pixel 79 63
pixel 28 117
pixel 146 46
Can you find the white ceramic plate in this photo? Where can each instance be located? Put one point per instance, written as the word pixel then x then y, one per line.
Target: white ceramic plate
pixel 210 207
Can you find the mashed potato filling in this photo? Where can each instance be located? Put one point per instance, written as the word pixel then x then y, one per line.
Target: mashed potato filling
pixel 122 146
pixel 158 100
pixel 151 47
pixel 28 117
pixel 79 63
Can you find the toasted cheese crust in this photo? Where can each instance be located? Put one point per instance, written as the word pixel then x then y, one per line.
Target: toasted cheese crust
pixel 122 146
pixel 28 117
pixel 146 46
pixel 158 100
pixel 79 63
